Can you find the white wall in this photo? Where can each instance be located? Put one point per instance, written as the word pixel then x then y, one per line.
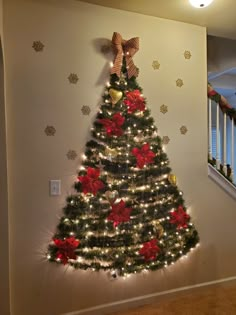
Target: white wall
pixel 38 94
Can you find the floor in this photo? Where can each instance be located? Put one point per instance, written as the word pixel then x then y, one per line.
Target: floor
pixel 219 300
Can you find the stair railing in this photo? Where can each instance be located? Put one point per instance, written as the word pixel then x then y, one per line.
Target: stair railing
pixel 221 134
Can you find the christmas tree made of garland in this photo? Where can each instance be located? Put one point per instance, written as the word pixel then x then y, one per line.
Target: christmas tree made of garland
pixel 126 215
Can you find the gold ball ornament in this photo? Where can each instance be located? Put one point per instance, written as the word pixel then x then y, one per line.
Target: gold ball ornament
pixel 136 237
pixel 111 152
pixel 159 229
pixel 139 138
pixel 132 187
pixel 129 261
pixel 139 114
pixel 111 196
pixel 115 96
pixel 110 180
pixel 172 179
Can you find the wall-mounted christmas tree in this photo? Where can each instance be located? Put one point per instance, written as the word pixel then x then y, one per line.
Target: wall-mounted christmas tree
pixel 127 214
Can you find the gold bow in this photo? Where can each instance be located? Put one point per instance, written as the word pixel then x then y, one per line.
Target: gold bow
pixel 127 48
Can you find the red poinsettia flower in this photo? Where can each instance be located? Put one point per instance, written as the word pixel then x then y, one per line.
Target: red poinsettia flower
pixel 90 182
pixel 134 101
pixel 113 125
pixel 179 217
pixel 66 248
pixel 150 250
pixel 144 155
pixel 119 213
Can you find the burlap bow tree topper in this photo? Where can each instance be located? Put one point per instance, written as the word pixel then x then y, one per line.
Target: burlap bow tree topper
pixel 126 48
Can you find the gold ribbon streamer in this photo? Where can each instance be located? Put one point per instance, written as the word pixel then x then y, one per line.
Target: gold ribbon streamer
pixel 126 48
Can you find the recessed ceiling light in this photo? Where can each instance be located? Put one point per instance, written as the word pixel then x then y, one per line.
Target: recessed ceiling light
pixel 200 3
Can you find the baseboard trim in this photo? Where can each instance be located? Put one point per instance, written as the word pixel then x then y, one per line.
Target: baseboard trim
pixel 140 300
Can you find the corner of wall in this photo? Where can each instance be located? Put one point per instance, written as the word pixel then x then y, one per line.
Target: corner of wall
pixel 4 231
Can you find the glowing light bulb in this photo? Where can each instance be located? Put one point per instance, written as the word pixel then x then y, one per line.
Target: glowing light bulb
pixel 200 3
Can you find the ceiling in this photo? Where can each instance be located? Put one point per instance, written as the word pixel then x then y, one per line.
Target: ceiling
pixel 225 84
pixel 219 17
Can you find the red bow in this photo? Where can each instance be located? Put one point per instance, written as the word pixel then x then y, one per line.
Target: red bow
pixel 221 99
pixel 149 250
pixel 179 217
pixel 90 182
pixel 113 125
pixel 119 213
pixel 127 48
pixel 134 101
pixel 144 155
pixel 212 93
pixel 66 248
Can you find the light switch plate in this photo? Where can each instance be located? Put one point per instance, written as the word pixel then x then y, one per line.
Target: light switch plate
pixel 55 187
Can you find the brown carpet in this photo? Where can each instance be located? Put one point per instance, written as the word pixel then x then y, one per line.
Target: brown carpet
pixel 205 301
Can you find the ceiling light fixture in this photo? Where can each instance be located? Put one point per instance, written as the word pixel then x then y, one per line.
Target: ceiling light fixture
pixel 200 3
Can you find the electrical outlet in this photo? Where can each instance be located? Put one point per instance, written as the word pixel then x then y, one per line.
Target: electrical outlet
pixel 55 187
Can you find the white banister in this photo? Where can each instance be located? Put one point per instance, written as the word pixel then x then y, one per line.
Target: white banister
pixel 225 142
pixel 232 150
pixel 217 137
pixel 221 143
pixel 209 129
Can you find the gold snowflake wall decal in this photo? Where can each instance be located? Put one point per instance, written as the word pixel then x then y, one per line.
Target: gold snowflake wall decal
pixel 179 82
pixel 73 78
pixel 71 155
pixel 163 109
pixel 187 54
pixel 85 110
pixel 38 46
pixel 50 131
pixel 165 140
pixel 183 130
pixel 156 65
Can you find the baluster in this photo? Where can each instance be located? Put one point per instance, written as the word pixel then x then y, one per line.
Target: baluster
pixel 217 137
pixel 209 130
pixel 232 149
pixel 225 139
